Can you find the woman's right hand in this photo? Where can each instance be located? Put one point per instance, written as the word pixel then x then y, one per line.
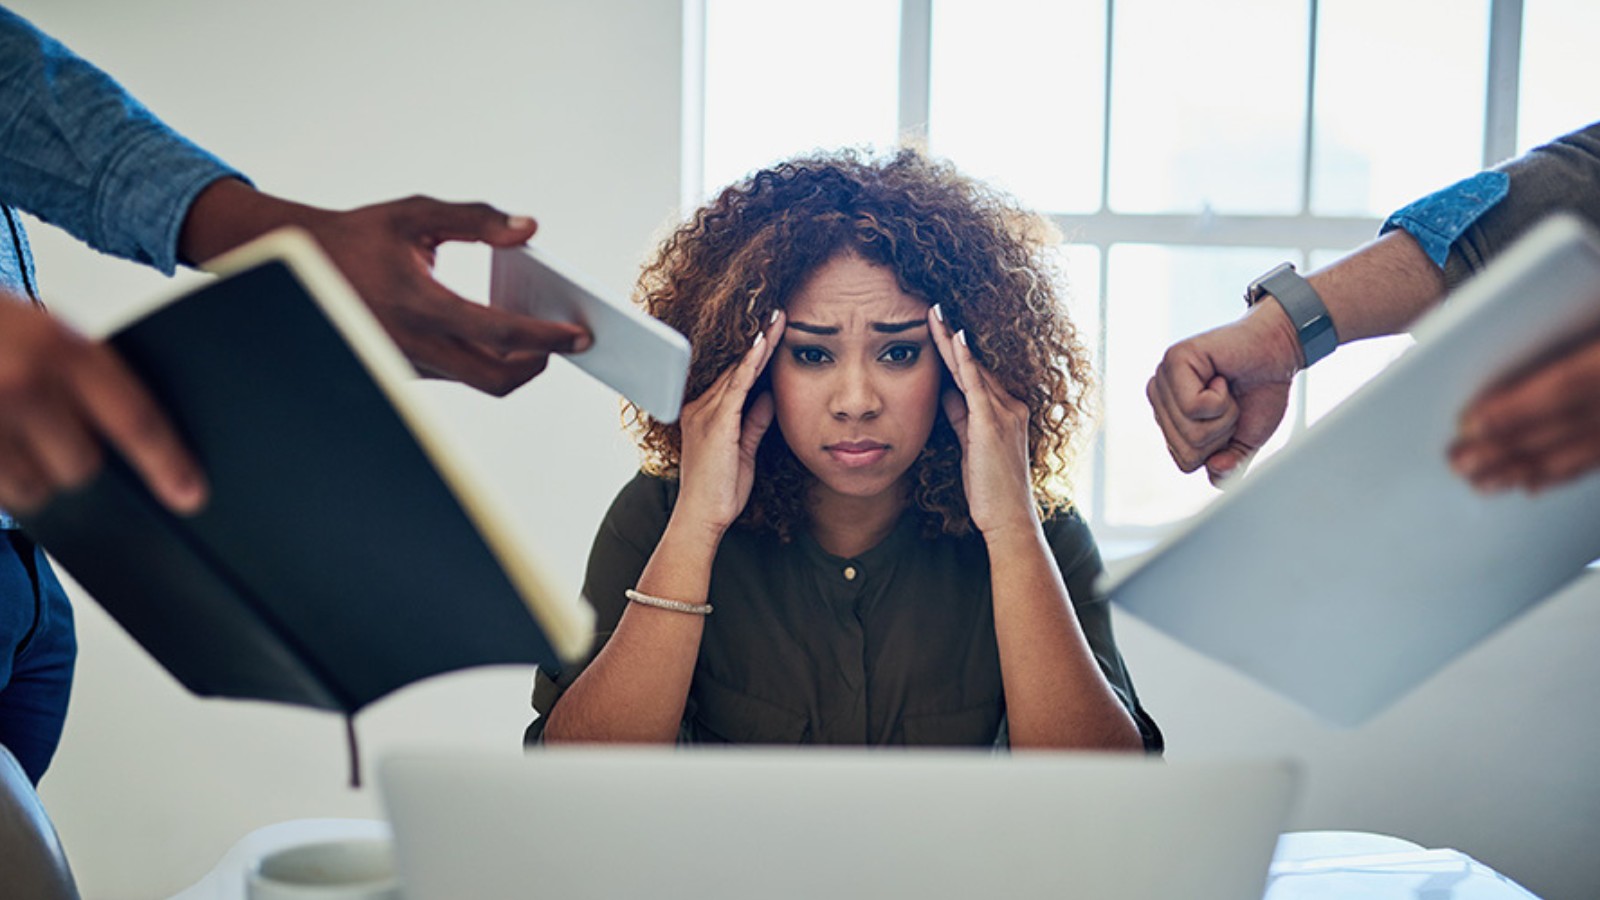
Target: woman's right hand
pixel 717 463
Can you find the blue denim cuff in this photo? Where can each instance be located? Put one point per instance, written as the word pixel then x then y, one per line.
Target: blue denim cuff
pixel 145 194
pixel 1440 218
pixel 78 151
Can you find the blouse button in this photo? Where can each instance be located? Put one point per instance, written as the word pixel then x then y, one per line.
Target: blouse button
pixel 849 573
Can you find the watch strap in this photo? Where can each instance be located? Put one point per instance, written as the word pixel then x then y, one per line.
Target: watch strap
pixel 1304 306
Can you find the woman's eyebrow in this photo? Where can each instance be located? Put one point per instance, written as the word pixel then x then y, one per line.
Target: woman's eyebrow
pixel 897 327
pixel 808 328
pixel 880 327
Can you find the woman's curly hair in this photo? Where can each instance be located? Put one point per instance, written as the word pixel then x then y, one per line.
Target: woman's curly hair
pixel 948 239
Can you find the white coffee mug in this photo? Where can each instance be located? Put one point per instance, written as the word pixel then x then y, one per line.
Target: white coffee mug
pixel 329 870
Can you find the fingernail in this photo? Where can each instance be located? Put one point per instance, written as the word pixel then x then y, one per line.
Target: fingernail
pixel 520 222
pixel 581 343
pixel 938 313
pixel 962 337
pixel 1470 463
pixel 1475 428
pixel 772 319
pixel 760 337
pixel 1493 484
pixel 189 493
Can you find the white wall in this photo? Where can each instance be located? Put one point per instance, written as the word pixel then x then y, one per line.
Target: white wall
pixel 565 111
pixel 569 111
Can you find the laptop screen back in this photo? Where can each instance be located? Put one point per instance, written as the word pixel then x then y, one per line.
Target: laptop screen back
pixel 737 824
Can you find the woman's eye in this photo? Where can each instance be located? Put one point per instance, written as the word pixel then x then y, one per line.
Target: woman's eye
pixel 810 356
pixel 901 354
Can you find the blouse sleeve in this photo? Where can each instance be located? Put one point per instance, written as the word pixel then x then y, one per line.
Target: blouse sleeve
pixel 627 537
pixel 1079 559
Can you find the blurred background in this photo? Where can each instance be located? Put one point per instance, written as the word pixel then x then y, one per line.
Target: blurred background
pixel 1181 148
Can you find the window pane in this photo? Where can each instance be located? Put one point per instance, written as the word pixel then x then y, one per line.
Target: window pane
pixel 1338 376
pixel 1017 96
pixel 1081 265
pixel 1209 104
pixel 779 82
pixel 1334 379
pixel 1399 107
pixel 1157 296
pixel 1558 86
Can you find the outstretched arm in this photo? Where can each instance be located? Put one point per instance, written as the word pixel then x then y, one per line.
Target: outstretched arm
pixel 83 154
pixel 1218 396
pixel 387 251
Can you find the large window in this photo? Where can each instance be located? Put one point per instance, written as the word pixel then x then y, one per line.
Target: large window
pixel 1182 147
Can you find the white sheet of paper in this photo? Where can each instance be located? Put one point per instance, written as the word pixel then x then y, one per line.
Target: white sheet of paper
pixel 640 357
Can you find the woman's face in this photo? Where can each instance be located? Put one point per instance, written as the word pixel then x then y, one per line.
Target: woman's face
pixel 856 379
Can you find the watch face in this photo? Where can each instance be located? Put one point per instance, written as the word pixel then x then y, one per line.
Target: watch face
pixel 1257 289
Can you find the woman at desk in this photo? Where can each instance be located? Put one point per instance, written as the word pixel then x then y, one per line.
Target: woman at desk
pixel 855 533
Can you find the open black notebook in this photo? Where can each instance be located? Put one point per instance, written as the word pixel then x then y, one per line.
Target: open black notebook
pixel 345 552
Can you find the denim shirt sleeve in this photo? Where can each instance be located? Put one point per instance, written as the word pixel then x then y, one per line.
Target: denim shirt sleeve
pixel 1464 226
pixel 1441 218
pixel 78 152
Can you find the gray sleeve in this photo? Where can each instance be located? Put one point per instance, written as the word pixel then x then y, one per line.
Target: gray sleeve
pixel 1561 175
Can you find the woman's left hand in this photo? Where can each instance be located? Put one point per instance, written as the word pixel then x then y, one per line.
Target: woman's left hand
pixel 992 427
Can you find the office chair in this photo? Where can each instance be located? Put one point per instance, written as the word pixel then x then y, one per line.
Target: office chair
pixel 30 852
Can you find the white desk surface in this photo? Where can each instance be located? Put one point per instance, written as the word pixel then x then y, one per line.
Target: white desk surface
pixel 1324 865
pixel 225 881
pixel 1308 865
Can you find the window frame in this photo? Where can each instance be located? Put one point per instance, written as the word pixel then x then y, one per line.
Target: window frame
pixel 1104 228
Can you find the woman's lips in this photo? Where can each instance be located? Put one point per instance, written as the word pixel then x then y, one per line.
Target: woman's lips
pixel 853 454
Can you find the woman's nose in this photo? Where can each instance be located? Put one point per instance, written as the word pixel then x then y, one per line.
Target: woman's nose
pixel 855 395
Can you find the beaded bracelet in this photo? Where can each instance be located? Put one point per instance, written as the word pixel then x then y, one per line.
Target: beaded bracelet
pixel 693 609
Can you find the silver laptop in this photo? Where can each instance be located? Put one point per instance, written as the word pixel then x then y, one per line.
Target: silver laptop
pixel 1354 564
pixel 740 824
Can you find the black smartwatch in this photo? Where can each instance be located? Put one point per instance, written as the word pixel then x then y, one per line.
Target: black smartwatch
pixel 1305 308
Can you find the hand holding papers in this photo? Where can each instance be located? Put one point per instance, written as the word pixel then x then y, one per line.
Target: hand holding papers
pixel 640 357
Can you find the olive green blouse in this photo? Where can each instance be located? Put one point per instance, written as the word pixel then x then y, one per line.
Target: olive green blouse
pixel 894 646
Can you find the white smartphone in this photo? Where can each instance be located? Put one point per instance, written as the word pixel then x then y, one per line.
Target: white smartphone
pixel 640 357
